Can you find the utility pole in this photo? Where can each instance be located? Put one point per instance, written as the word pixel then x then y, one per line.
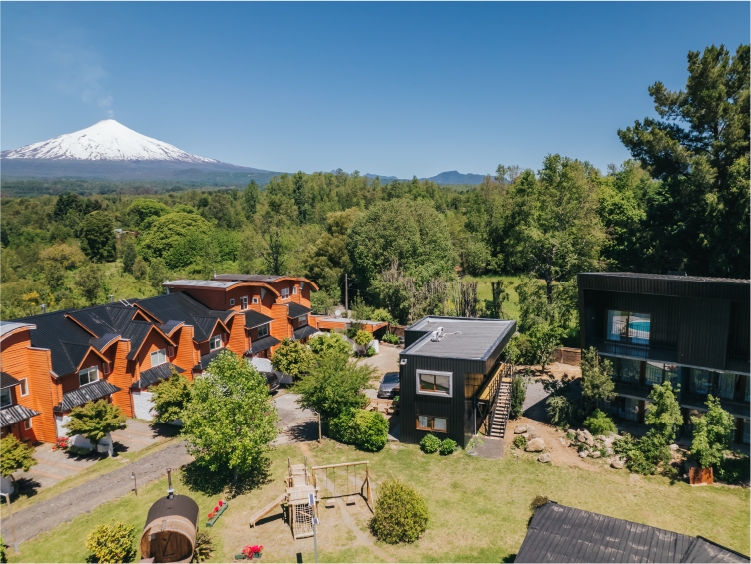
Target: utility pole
pixel 346 301
pixel 12 526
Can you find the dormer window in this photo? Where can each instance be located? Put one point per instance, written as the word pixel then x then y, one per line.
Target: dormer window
pixel 158 357
pixel 88 375
pixel 215 342
pixel 302 320
pixel 285 293
pixel 294 289
pixel 263 330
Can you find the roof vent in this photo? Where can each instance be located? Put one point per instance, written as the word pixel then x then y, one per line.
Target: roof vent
pixel 112 299
pixel 437 335
pixel 215 274
pixel 677 273
pixel 44 308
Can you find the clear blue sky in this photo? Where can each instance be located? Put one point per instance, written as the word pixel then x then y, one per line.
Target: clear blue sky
pixel 390 88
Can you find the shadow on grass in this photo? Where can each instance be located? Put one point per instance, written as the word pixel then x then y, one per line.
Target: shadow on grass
pixel 200 478
pixel 25 487
pixel 509 558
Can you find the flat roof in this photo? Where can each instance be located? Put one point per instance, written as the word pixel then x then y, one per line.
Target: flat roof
pixel 464 337
pixel 670 277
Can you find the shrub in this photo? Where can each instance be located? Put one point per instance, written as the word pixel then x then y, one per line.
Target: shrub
pixel 95 420
pixel 363 337
pixel 600 423
pixel 430 444
pixel 113 543
pixel 520 441
pixel 367 430
pixel 643 456
pixel 80 451
pixel 371 351
pixel 712 434
pixel 353 329
pixel 401 514
pixel 538 501
pixel 734 469
pixel 390 338
pixel 518 395
pixel 15 455
pixel 140 269
pixel 448 446
pixel 293 358
pixel 561 411
pixel 327 342
pixel 170 397
pixel 3 556
pixel 204 547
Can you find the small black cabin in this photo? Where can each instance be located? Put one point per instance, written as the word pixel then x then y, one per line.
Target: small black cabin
pixel 446 365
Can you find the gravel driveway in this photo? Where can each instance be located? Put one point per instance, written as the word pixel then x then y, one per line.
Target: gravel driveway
pixel 45 515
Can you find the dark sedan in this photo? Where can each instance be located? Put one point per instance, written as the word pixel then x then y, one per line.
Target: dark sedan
pixel 272 381
pixel 389 387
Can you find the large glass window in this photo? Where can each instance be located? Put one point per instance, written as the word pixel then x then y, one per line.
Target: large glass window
pixel 215 342
pixel 726 384
pixel 671 374
pixel 158 357
pixel 632 409
pixel 748 388
pixel 630 370
pixel 432 423
pixel 88 375
pixel 5 399
pixel 700 381
pixel 263 330
pixel 302 320
pixel 628 326
pixel 653 373
pixel 746 438
pixel 434 382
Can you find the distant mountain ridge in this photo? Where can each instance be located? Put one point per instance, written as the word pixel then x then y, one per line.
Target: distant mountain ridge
pixel 450 177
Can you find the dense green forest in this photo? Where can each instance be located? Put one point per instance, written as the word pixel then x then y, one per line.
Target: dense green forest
pixel 680 204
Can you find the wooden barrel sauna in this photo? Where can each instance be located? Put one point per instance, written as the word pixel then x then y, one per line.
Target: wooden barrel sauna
pixel 170 531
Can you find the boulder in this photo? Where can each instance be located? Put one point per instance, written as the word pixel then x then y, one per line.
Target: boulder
pixel 535 445
pixel 601 437
pixel 617 464
pixel 587 433
pixel 532 434
pixel 674 447
pixel 572 431
pixel 608 451
pixel 564 442
pixel 590 441
pixel 608 442
pixel 530 428
pixel 519 429
pixel 596 454
pixel 584 454
pixel 545 457
pixel 581 437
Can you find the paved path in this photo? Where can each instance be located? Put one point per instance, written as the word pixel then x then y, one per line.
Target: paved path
pixel 45 515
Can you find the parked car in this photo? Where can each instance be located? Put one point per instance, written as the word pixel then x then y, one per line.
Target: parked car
pixel 389 387
pixel 272 381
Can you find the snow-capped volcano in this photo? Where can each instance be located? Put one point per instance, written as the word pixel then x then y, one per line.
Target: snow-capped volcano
pixel 106 140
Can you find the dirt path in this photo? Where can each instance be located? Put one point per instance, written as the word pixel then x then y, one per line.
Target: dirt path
pixel 45 515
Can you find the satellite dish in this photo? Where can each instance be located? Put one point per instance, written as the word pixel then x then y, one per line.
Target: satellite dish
pixel 338 312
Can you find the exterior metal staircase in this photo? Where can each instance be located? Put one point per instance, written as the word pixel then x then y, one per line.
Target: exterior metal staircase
pixel 499 416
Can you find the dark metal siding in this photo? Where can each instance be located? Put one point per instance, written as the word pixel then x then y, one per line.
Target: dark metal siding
pixel 740 327
pixel 667 286
pixel 455 408
pixel 411 337
pixel 703 336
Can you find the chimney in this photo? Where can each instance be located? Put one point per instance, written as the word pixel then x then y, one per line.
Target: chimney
pixel 167 280
pixel 44 308
pixel 112 299
pixel 215 274
pixel 170 490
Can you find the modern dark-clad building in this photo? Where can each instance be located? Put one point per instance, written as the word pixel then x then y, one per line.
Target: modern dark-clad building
pixel 564 534
pixel 446 365
pixel 690 331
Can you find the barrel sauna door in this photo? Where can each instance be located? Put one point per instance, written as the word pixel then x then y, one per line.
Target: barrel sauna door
pixel 170 546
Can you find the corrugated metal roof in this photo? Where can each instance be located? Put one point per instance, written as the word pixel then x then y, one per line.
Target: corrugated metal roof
pixel 8 326
pixel 154 375
pixel 262 344
pixel 184 307
pixel 104 340
pixel 7 381
pixel 136 331
pixel 703 550
pixel 267 278
pixel 83 395
pixel 108 318
pixel 304 331
pixel 668 277
pixel 558 533
pixel 296 310
pixel 15 414
pixel 464 337
pixel 207 358
pixel 256 319
pixel 170 326
pixel 198 284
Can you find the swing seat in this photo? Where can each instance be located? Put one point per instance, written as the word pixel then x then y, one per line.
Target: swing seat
pixel 351 500
pixel 330 504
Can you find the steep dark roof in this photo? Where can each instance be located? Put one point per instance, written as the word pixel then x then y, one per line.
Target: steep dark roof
pixel 181 306
pixel 296 310
pixel 256 319
pixel 703 550
pixel 262 344
pixel 90 392
pixel 108 318
pixel 564 534
pixel 101 342
pixel 207 358
pixel 136 331
pixel 304 331
pixel 16 414
pixel 170 326
pixel 7 381
pixel 153 375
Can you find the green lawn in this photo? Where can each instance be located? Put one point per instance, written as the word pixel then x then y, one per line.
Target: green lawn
pixel 485 292
pixel 478 508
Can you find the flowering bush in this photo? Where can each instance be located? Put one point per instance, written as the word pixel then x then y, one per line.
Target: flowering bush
pixel 114 542
pixel 216 510
pixel 254 551
pixel 61 443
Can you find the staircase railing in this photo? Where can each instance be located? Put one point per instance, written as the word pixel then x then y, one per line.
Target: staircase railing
pixel 496 392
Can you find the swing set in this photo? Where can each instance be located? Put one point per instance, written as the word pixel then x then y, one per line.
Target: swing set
pixel 346 491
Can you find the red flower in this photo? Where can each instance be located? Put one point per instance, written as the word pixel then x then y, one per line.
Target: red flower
pixel 221 503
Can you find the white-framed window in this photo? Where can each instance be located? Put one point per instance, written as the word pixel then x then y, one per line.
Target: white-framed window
pixel 255 299
pixel 158 357
pixel 215 342
pixel 432 423
pixel 302 320
pixel 285 293
pixel 263 330
pixel 244 302
pixel 88 375
pixel 434 383
pixel 294 289
pixel 28 424
pixel 5 399
pixel 232 301
pixel 24 387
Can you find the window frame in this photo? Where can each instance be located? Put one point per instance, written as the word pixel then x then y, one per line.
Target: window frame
pixel 212 348
pixel 88 372
pixel 294 289
pixel 419 372
pixel 255 299
pixel 285 293
pixel 302 320
pixel 156 352
pixel 231 302
pixel 266 327
pixel 244 303
pixel 23 383
pixel 431 419
pixel 10 398
pixel 626 338
pixel 28 424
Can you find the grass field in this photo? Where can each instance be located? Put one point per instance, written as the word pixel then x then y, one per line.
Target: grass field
pixel 478 509
pixel 485 292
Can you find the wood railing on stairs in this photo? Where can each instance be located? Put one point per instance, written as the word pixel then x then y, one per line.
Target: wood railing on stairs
pixel 506 371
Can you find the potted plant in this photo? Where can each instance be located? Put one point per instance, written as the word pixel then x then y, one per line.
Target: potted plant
pixel 254 552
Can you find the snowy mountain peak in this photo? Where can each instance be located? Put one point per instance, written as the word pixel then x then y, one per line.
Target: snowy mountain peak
pixel 107 140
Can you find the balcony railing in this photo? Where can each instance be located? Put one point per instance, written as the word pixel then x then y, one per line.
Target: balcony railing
pixel 634 350
pixel 734 406
pixel 739 362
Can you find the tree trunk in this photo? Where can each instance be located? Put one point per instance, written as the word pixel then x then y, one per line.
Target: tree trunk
pixel 234 478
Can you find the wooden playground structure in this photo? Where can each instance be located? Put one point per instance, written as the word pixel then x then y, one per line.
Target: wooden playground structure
pixel 300 484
